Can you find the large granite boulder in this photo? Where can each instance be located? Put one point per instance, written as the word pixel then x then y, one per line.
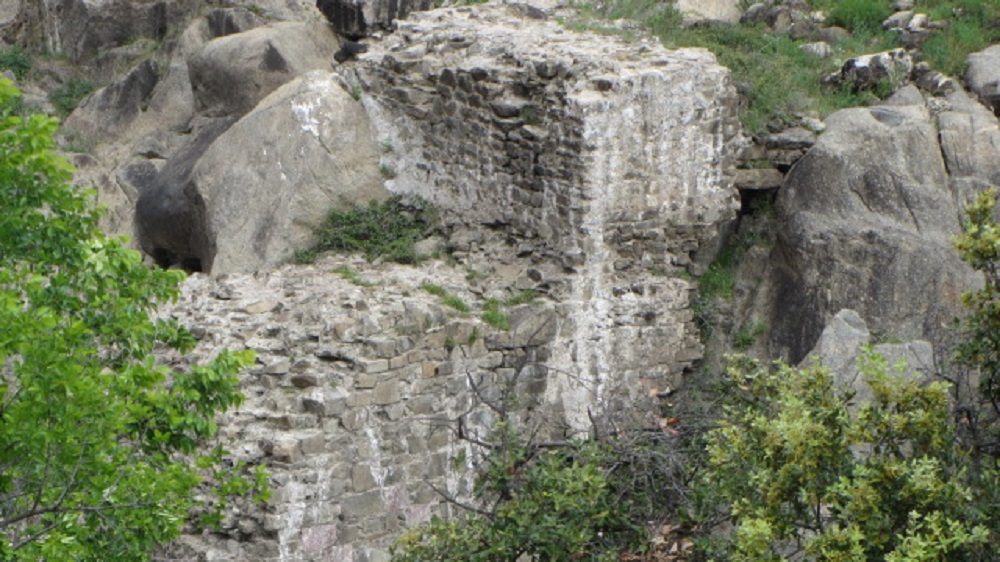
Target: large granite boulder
pixel 869 217
pixel 269 180
pixel 970 143
pixel 983 75
pixel 107 113
pixel 169 215
pixel 230 75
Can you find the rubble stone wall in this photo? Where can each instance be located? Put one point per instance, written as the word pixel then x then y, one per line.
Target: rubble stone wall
pixel 354 400
pixel 604 163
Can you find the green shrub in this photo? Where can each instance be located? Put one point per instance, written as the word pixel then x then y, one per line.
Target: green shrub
pixel 527 296
pixel 16 60
pixel 552 504
pixel 748 334
pixel 799 471
pixel 383 230
pixel 781 81
pixel 65 98
pixel 100 444
pixel 947 50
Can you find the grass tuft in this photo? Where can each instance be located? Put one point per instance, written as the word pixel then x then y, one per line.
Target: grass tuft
pixel 383 230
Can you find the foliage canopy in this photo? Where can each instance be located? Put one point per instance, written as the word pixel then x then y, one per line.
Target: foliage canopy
pixel 99 447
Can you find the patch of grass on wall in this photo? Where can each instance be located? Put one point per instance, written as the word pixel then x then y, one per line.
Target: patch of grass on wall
pixel 447 299
pixel 385 230
pixel 494 315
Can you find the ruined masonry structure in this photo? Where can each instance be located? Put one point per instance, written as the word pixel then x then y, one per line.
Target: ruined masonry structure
pixel 603 160
pixel 588 168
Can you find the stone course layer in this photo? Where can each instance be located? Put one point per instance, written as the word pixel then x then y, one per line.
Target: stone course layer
pixel 584 167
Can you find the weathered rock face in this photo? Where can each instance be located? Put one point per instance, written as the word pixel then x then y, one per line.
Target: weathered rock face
pixel 170 214
pixel 83 28
pixel 842 344
pixel 111 110
pixel 603 163
pixel 232 74
pixel 970 143
pixel 869 219
pixel 272 177
pixel 357 18
pixel 983 75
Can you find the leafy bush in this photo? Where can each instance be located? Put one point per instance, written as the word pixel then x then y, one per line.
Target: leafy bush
pixel 99 445
pixel 16 60
pixel 383 230
pixel 979 350
pixel 65 98
pixel 553 503
pixel 802 473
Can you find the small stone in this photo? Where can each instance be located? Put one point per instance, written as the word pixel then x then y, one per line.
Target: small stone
pixel 899 20
pixel 361 478
pixel 278 368
pixel 791 139
pixel 305 380
pixel 819 49
pixel 313 445
pixel 756 179
pixel 262 307
pixel 918 22
pixel 386 393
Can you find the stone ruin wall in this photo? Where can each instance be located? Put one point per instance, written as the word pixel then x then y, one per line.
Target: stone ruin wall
pixel 581 166
pixel 353 400
pixel 600 165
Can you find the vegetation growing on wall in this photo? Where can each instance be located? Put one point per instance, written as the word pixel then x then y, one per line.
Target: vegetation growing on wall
pixel 386 230
pixel 100 447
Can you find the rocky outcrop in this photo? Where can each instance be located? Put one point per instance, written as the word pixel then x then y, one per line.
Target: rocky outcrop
pixel 604 164
pixel 358 18
pixel 843 342
pixel 983 76
pixel 970 143
pixel 891 68
pixel 869 215
pixel 232 74
pixel 82 29
pixel 170 214
pixel 305 149
pixel 106 114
